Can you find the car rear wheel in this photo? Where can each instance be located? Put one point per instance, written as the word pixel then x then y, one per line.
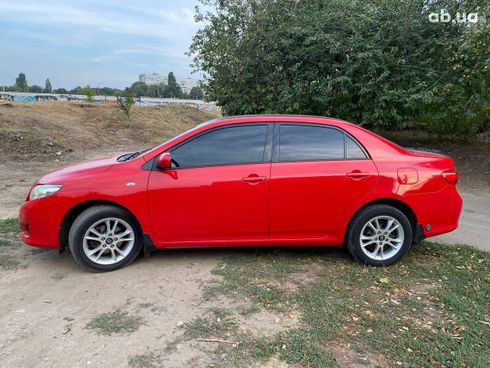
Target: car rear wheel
pixel 105 238
pixel 379 235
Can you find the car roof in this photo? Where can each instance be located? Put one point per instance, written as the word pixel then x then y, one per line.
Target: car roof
pixel 278 118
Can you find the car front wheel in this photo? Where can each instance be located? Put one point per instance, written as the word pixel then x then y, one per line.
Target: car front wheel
pixel 379 235
pixel 105 238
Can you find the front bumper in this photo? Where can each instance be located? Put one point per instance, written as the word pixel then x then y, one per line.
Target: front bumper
pixel 40 222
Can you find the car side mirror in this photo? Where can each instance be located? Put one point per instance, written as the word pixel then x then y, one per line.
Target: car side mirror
pixel 164 161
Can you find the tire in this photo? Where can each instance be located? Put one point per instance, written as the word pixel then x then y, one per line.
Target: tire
pixel 105 238
pixel 380 245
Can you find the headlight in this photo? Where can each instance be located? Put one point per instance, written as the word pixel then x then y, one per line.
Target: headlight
pixel 41 191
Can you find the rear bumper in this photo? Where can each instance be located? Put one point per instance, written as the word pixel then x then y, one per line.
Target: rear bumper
pixel 437 213
pixel 40 222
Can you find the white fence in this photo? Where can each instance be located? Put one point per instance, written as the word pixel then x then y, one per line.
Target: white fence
pixel 111 100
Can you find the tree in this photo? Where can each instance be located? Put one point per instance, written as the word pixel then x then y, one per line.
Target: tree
pixel 160 92
pixel 127 103
pixel 8 88
pixel 60 91
pixel 461 104
pixel 196 93
pixel 139 89
pixel 152 90
pixel 376 63
pixel 36 89
pixel 89 93
pixel 171 81
pixel 77 91
pixel 21 83
pixel 47 86
pixel 108 91
pixel 173 89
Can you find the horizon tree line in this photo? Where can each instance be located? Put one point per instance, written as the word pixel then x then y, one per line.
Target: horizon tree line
pixel 139 89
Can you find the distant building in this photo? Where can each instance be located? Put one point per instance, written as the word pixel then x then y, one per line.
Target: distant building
pixel 153 78
pixel 186 84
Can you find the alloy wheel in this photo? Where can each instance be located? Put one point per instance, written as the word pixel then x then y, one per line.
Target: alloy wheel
pixel 108 241
pixel 382 237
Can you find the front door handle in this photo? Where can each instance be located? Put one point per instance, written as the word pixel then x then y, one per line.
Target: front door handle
pixel 357 174
pixel 254 179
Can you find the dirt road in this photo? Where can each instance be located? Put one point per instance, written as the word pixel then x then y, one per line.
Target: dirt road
pixel 48 302
pixel 474 224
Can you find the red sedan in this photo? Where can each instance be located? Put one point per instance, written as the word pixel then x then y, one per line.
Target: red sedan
pixel 247 181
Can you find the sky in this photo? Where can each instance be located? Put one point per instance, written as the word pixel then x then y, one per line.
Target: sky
pixel 94 42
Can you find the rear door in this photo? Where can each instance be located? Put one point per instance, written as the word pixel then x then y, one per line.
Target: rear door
pixel 318 174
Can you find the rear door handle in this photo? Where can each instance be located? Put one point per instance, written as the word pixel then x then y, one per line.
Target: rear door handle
pixel 254 179
pixel 356 174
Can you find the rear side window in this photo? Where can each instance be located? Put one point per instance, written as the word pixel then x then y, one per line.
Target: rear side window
pixel 352 150
pixel 304 143
pixel 226 146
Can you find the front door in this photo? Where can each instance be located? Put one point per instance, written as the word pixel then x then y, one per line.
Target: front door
pixel 218 189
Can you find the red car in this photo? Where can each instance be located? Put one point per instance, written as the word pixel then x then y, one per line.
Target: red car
pixel 247 181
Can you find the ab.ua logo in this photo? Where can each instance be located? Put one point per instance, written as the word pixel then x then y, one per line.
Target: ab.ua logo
pixel 445 17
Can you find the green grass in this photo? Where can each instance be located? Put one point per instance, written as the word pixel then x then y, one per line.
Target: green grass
pixel 147 360
pixel 217 324
pixel 250 310
pixel 8 262
pixel 116 322
pixel 431 308
pixel 10 225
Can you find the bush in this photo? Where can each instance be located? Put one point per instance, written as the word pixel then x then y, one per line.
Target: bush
pixel 89 93
pixel 378 64
pixel 126 103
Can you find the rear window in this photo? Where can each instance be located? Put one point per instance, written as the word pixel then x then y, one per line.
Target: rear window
pixel 352 150
pixel 308 143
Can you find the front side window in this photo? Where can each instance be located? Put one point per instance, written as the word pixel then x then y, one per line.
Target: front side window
pixel 307 143
pixel 225 146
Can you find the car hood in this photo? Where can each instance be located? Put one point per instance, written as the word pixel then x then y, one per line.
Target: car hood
pixel 78 170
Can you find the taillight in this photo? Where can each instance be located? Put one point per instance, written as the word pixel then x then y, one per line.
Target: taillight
pixel 450 176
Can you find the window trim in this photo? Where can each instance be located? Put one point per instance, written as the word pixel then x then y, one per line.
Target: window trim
pixel 276 143
pixel 266 156
pixel 271 150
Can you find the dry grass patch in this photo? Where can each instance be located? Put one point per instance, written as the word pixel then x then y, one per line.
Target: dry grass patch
pixel 43 129
pixel 430 309
pixel 115 322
